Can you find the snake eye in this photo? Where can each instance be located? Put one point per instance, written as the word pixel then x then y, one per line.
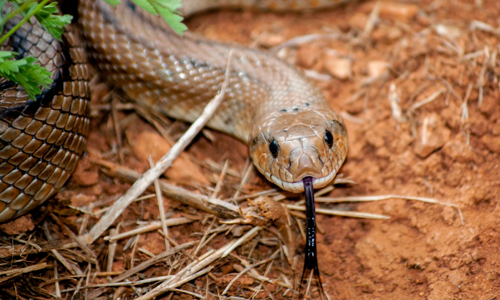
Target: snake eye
pixel 274 148
pixel 328 138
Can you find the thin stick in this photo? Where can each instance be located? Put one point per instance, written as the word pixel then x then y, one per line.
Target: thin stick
pixel 72 268
pixel 126 283
pixel 219 180
pixel 85 219
pixel 149 227
pixel 255 195
pixel 56 283
pixel 147 178
pixel 205 242
pixel 152 261
pixel 309 283
pixel 372 20
pixel 247 170
pixel 189 293
pixel 249 235
pixel 73 237
pixel 221 209
pixel 428 99
pixel 321 192
pixel 111 251
pixel 385 197
pixel 253 273
pixel 184 280
pixel 161 208
pixel 134 250
pixel 173 242
pixel 341 213
pixel 17 272
pixel 87 280
pixel 250 267
pixel 299 224
pixel 202 241
pixel 206 287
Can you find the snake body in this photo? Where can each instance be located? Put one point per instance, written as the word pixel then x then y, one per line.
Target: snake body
pixel 41 141
pixel 290 129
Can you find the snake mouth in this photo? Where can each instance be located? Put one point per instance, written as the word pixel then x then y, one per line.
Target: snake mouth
pixel 298 186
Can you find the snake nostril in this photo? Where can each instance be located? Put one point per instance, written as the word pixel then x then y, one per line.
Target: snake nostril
pixel 329 138
pixel 274 148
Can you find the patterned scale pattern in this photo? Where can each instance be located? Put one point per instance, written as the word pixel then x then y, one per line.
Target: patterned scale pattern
pixel 41 141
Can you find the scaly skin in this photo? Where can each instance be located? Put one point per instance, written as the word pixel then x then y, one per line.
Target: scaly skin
pixel 267 101
pixel 41 141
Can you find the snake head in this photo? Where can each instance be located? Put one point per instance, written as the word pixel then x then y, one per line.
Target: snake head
pixel 290 145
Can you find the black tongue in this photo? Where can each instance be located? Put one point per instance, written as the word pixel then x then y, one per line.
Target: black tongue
pixel 311 258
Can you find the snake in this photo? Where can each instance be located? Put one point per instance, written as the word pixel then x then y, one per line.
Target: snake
pixel 290 129
pixel 293 135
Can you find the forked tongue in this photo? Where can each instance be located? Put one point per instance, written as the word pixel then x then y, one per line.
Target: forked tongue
pixel 311 259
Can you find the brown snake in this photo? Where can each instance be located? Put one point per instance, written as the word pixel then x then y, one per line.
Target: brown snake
pixel 294 137
pixel 289 127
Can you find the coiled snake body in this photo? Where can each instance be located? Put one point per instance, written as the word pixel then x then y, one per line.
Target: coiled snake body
pixel 291 131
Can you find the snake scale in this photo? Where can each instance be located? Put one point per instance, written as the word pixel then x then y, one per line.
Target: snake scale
pixel 290 129
pixel 294 137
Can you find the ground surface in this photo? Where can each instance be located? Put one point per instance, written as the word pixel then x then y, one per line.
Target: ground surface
pixel 420 95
